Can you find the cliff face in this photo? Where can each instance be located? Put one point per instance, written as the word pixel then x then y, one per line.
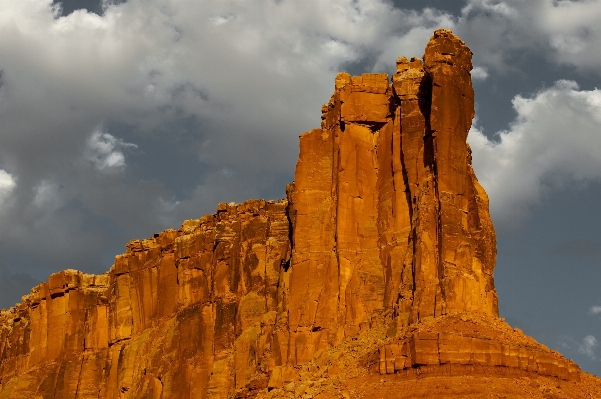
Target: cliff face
pixel 184 314
pixel 385 239
pixel 387 212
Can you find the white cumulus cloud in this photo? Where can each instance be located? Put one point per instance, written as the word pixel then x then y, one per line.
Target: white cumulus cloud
pixel 589 347
pixel 595 310
pixel 7 185
pixel 105 151
pixel 554 141
pixel 479 73
pixel 563 31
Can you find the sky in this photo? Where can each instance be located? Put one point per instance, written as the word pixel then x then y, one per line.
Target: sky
pixel 119 119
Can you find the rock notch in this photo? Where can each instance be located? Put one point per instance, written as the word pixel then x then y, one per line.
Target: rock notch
pixel 378 264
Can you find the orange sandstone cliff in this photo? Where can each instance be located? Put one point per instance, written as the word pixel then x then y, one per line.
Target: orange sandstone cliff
pixel 374 278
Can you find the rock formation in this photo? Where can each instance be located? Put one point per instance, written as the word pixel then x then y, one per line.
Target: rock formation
pixel 378 264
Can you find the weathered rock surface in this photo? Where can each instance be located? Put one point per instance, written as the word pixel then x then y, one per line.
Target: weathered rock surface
pixel 378 265
pixel 188 313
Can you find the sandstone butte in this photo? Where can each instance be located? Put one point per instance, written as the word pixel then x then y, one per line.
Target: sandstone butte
pixel 373 279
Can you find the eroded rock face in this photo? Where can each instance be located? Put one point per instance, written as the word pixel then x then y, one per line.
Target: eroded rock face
pixel 385 229
pixel 189 313
pixel 387 212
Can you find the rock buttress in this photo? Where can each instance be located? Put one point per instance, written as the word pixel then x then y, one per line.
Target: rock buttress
pixel 387 213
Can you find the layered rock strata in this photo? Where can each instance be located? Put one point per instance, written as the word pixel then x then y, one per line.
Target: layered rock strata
pixel 385 226
pixel 462 344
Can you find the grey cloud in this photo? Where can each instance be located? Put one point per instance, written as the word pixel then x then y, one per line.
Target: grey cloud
pixel 248 79
pixel 105 151
pixel 450 6
pixel 563 31
pixel 595 310
pixel 7 185
pixel 13 286
pixel 589 347
pixel 95 6
pixel 68 6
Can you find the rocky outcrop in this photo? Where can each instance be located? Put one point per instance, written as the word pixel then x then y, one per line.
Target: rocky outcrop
pixel 456 343
pixel 380 261
pixel 185 314
pixel 386 210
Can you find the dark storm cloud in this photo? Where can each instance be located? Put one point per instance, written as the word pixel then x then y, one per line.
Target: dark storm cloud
pixel 68 6
pixel 95 6
pixel 450 6
pixel 13 286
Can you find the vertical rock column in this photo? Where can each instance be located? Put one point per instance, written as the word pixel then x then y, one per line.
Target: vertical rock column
pixel 365 114
pixel 337 280
pixel 313 276
pixel 420 274
pixel 464 265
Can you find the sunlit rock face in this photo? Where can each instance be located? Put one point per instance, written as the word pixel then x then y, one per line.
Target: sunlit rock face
pixel 185 314
pixel 386 211
pixel 384 240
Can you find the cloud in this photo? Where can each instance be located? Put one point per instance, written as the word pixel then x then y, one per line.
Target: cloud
pixel 410 36
pixel 563 31
pixel 552 143
pixel 105 151
pixel 13 286
pixel 595 310
pixel 589 347
pixel 47 195
pixel 7 185
pixel 479 73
